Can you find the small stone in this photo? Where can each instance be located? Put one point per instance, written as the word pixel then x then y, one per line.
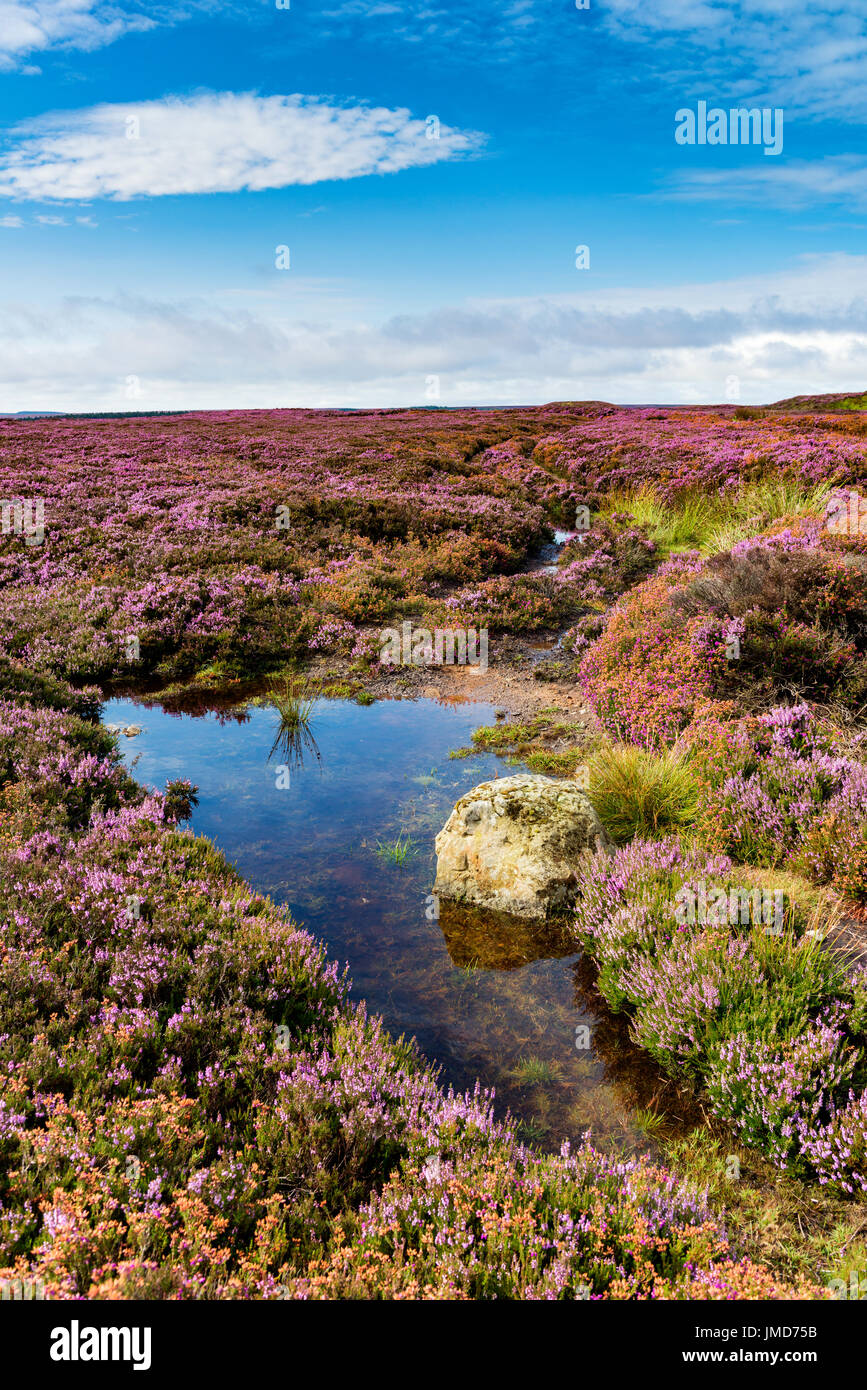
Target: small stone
pixel 131 730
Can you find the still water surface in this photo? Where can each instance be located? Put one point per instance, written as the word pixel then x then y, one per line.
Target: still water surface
pixel 501 1004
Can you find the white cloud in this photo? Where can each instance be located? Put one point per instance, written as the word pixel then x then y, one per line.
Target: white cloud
pixel 803 330
pixel 30 26
pixel 36 26
pixel 46 221
pixel 215 143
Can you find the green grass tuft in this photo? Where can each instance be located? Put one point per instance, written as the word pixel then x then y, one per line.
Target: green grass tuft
pixel 396 853
pixel 711 524
pixel 294 707
pixel 638 793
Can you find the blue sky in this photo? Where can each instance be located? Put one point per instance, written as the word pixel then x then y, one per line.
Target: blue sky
pixel 154 156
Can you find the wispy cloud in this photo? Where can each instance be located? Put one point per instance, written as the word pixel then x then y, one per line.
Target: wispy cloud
pixel 32 26
pixel 29 27
pixel 836 180
pixel 45 220
pixel 805 329
pixel 808 56
pixel 219 143
pixel 485 30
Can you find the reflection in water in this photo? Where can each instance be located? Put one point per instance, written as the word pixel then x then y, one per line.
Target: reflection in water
pixel 495 941
pixel 292 742
pixel 485 998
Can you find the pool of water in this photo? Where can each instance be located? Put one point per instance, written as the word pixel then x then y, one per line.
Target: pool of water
pixel 311 825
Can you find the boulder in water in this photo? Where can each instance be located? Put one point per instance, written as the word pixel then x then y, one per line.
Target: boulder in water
pixel 516 845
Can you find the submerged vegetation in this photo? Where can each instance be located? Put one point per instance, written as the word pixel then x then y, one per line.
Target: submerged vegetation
pixel 398 851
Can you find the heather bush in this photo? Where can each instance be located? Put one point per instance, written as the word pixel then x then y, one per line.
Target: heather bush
pixel 837 1150
pixel 834 847
pixel 627 908
pixel 22 686
pixel 56 769
pixel 681 994
pixel 775 615
pixel 580 1225
pixel 518 602
pixel 757 1014
pixel 802 609
pixel 774 792
pixel 608 559
pixel 776 1092
pixel 692 995
pixel 641 676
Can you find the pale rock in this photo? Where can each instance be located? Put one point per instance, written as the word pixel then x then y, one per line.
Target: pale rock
pixel 516 845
